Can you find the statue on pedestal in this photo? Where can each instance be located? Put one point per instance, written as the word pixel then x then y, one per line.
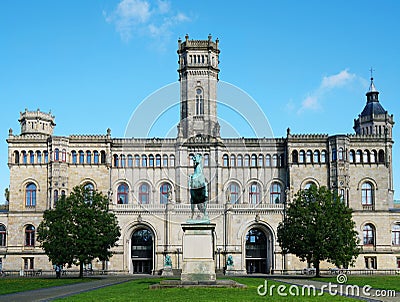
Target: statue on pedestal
pixel 198 189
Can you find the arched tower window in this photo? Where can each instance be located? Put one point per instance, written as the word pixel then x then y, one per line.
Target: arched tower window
pixel 233 193
pixel 30 195
pixel 396 234
pixel 29 235
pixel 3 234
pixel 144 194
pixel 199 102
pixel 275 193
pixel 367 194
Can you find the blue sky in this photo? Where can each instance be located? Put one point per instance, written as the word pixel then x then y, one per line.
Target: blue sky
pixel 306 63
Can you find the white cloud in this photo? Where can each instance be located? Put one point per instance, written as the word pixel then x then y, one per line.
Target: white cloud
pixel 144 17
pixel 328 83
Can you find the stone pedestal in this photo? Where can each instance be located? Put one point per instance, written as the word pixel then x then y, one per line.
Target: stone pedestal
pixel 198 252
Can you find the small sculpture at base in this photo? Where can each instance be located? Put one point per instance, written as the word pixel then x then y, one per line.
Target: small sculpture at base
pixel 198 190
pixel 167 271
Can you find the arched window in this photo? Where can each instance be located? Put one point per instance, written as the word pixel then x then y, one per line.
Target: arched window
pixel 295 156
pixel 373 156
pixel 396 234
pixel 275 193
pixel 130 161
pixel 16 157
pixel 367 194
pixel 254 193
pixel 81 157
pixel 88 157
pixel 308 156
pixel 381 156
pixel 246 160
pixel 116 160
pixel 172 160
pixel 165 160
pixel 46 156
pixel 39 157
pixel 158 160
pixel 254 160
pixel 281 162
pixel 144 160
pixel 144 194
pixel 308 185
pixel 352 156
pixel 233 193
pixel 55 197
pixel 316 156
pixel 199 102
pixel 206 160
pixel 323 156
pixel 137 160
pixel 74 157
pixel 3 234
pixel 366 156
pixel 190 160
pixel 102 157
pixel 64 155
pixel 96 157
pixel 340 154
pixel 151 160
pixel 30 195
pixel 56 154
pixel 302 156
pixel 225 160
pixel 165 191
pixel 334 154
pixel 31 157
pixel 260 160
pixel 240 160
pixel 29 235
pixel 123 194
pixel 123 160
pixel 369 234
pixel 24 157
pixel 358 156
pixel 275 160
pixel 268 160
pixel 233 161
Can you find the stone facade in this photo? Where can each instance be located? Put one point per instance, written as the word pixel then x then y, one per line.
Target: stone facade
pixel 250 182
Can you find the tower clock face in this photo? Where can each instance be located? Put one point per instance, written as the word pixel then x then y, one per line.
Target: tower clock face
pixel 198 91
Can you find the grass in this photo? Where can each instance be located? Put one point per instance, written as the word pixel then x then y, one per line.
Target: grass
pixel 379 282
pixel 15 285
pixel 138 290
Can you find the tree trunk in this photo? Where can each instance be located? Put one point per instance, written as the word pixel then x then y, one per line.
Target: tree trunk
pixel 81 269
pixel 316 266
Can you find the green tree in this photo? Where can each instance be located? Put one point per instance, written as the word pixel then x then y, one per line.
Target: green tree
pixel 318 226
pixel 79 229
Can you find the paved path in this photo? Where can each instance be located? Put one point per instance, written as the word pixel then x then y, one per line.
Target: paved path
pixel 51 293
pixel 369 295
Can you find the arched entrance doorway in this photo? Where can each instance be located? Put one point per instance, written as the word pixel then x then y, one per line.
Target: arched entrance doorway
pixel 258 251
pixel 142 251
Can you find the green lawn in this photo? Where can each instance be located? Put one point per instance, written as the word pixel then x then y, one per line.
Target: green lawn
pixel 138 290
pixel 15 285
pixel 380 282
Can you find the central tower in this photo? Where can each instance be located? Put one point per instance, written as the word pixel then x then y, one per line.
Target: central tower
pixel 198 77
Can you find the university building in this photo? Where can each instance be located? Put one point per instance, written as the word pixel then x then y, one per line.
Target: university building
pixel 250 182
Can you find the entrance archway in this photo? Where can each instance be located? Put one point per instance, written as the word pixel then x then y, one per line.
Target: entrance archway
pixel 142 251
pixel 258 251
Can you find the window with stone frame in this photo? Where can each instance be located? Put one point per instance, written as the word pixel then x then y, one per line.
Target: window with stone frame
pixel 396 234
pixel 233 193
pixel 144 194
pixel 367 194
pixel 30 195
pixel 254 193
pixel 275 193
pixel 3 235
pixel 123 194
pixel 165 191
pixel 368 234
pixel 29 235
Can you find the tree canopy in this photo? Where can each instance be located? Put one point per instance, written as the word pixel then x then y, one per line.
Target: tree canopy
pixel 318 226
pixel 79 229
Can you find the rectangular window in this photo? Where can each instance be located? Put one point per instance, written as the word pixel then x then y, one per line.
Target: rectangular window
pixel 370 262
pixel 28 263
pixel 398 262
